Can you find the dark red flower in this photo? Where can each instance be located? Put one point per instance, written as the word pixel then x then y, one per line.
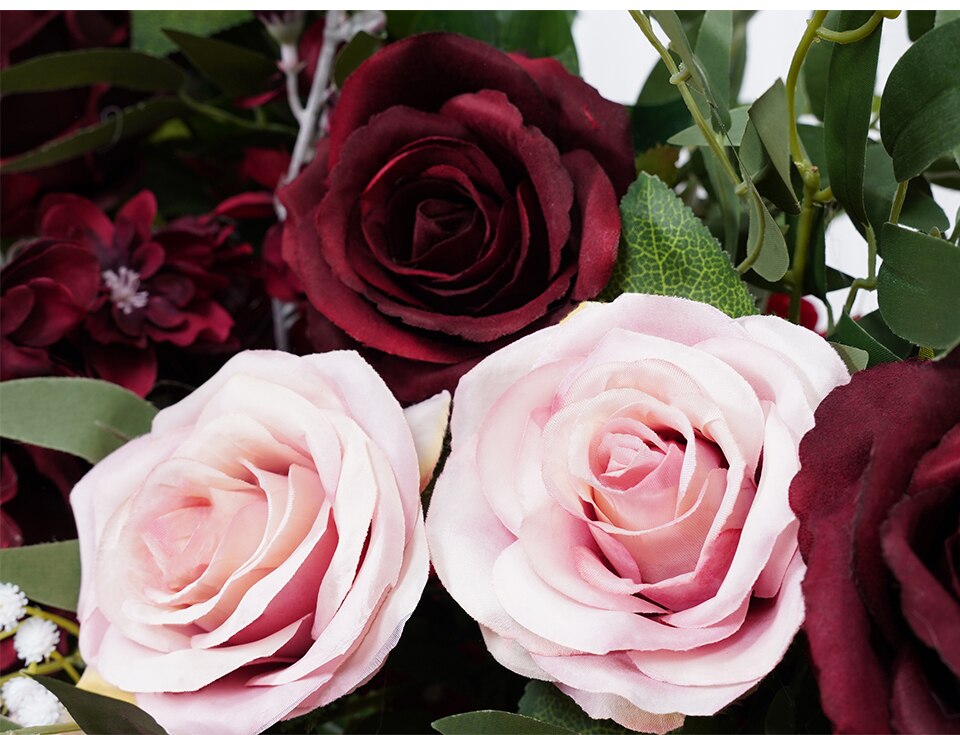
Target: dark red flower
pixel 154 287
pixel 29 120
pixel 446 216
pixel 779 305
pixel 878 498
pixel 46 290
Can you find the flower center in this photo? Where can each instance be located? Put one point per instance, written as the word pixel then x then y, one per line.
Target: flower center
pixel 124 284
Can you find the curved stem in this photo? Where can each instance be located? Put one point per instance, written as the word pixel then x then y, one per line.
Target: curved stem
pixel 801 244
pixel 793 75
pixel 679 78
pixel 222 116
pixel 898 200
pixel 48 668
pixel 67 666
pixel 757 245
pixel 290 64
pixel 68 625
pixel 870 282
pixel 857 34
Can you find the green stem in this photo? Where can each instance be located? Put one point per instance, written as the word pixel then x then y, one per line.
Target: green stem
pixel 757 244
pixel 679 78
pixel 67 666
pixel 68 625
pixel 856 34
pixel 898 200
pixel 48 668
pixel 228 118
pixel 793 75
pixel 870 282
pixel 811 186
pixel 47 729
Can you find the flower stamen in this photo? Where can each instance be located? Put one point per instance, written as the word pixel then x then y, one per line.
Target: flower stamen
pixel 124 285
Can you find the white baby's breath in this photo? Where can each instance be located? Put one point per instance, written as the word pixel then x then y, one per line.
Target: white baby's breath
pixel 12 605
pixel 30 704
pixel 36 639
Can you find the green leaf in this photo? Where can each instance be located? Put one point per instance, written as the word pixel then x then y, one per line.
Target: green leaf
pixel 811 137
pixel 726 196
pixel 846 118
pixel 852 334
pixel 944 15
pixel 146 26
pixel 81 416
pixel 920 107
pixel 117 67
pixel 769 116
pixel 774 258
pixel 665 249
pixel 692 135
pixel 855 360
pixel 816 68
pixel 538 34
pixel 479 24
pixel 47 573
pixel 99 715
pixel 659 112
pixel 131 121
pixel 544 702
pixel 917 286
pixel 495 722
pixel 237 71
pixel 919 22
pixel 713 51
pixel 360 48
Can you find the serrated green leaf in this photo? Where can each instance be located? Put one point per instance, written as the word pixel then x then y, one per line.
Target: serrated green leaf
pixel 846 118
pixel 495 722
pixel 917 287
pixel 117 67
pixel 546 703
pixel 47 573
pixel 237 71
pixel 920 107
pixel 99 715
pixel 360 48
pixel 774 259
pixel 146 26
pixel 666 250
pixel 131 121
pixel 852 334
pixel 769 116
pixel 693 136
pixel 81 416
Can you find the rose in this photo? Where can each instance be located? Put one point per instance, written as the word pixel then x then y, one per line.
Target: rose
pixel 443 218
pixel 614 510
pixel 257 554
pixel 878 500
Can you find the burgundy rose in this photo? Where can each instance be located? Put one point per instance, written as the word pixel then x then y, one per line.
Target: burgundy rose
pixel 878 498
pixel 463 197
pixel 154 287
pixel 46 290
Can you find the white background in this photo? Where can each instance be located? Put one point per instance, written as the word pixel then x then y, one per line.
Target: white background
pixel 616 59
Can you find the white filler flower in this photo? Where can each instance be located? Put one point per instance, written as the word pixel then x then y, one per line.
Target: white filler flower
pixel 35 640
pixel 12 604
pixel 30 704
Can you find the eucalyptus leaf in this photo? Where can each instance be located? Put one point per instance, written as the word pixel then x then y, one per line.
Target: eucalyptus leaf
pixel 846 119
pixel 131 121
pixel 816 67
pixel 917 287
pixel 944 16
pixel 713 50
pixel 693 136
pixel 495 722
pixel 919 22
pixel 81 416
pixel 726 197
pixel 543 701
pixel 47 573
pixel 660 111
pixel 146 26
pixel 851 333
pixel 920 107
pixel 769 115
pixel 99 715
pixel 237 71
pixel 117 67
pixel 665 249
pixel 774 259
pixel 538 34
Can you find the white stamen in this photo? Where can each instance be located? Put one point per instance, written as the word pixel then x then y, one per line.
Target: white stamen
pixel 124 285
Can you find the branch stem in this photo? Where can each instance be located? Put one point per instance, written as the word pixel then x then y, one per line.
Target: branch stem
pixel 857 34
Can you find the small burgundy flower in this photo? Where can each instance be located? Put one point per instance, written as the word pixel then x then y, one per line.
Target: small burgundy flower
pixel 154 287
pixel 45 292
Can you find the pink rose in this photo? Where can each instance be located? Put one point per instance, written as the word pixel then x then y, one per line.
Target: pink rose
pixel 614 511
pixel 257 554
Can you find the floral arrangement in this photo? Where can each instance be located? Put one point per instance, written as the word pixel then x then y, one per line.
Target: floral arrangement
pixel 371 372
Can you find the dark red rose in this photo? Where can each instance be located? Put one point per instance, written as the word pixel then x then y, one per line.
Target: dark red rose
pixel 878 498
pixel 778 304
pixel 46 290
pixel 463 197
pixel 29 120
